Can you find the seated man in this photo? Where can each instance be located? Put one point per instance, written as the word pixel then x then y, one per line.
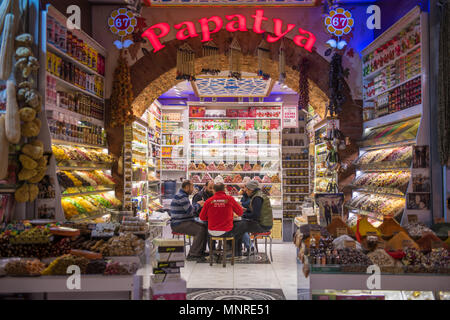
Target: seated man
pixel 182 215
pixel 206 193
pixel 259 219
pixel 245 203
pixel 218 211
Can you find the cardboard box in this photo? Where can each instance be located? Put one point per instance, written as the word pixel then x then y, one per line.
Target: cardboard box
pixel 169 264
pixel 170 256
pixel 168 242
pixel 158 278
pixel 166 270
pixel 169 290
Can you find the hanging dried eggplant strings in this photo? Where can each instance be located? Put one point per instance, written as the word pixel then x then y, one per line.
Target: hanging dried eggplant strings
pixel 185 63
pixel 282 63
pixel 235 59
pixel 211 53
pixel 303 85
pixel 263 53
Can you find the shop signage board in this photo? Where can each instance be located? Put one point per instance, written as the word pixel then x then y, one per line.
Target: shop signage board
pixel 233 23
pixel 339 22
pixel 290 116
pixel 122 22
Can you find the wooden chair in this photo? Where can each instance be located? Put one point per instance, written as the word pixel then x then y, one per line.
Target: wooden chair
pixel 178 235
pixel 223 240
pixel 265 236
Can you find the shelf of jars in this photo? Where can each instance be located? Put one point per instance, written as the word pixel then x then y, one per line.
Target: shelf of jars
pixel 233 146
pixel 394 72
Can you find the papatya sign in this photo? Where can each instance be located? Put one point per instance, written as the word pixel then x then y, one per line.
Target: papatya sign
pixel 237 22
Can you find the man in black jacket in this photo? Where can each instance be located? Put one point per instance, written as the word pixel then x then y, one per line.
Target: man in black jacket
pixel 203 195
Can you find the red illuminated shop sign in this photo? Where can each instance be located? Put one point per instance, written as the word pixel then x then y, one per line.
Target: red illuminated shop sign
pixel 236 22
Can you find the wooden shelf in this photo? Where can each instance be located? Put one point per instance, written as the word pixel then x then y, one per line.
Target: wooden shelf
pixel 65 56
pixel 78 144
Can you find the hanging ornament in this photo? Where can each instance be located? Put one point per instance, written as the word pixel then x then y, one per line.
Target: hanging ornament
pixel 336 85
pixel 263 53
pixel 235 59
pixel 282 63
pixel 185 63
pixel 122 94
pixel 211 53
pixel 303 84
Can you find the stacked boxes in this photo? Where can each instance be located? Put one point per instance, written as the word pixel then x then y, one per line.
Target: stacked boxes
pixel 166 282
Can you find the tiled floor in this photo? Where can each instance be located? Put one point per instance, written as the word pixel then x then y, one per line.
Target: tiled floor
pixel 280 274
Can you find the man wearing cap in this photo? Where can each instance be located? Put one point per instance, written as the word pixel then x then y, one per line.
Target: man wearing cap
pixel 258 218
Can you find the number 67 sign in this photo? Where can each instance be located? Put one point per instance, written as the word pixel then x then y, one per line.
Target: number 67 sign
pixel 339 22
pixel 122 22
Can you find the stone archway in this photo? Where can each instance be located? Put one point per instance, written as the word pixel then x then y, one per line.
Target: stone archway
pixel 154 74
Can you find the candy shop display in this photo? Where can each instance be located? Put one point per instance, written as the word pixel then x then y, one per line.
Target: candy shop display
pixel 395 182
pixel 67 128
pixel 80 155
pixel 21 267
pixel 385 158
pixel 382 204
pixel 59 265
pixel 66 41
pixel 391 73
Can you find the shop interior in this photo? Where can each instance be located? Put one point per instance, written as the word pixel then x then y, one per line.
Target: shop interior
pixel 107 137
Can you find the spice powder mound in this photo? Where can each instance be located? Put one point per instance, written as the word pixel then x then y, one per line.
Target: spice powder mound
pixel 365 226
pixel 389 227
pixel 336 223
pixel 429 240
pixel 397 242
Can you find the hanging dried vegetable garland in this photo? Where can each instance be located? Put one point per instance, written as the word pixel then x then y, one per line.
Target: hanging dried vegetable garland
pixel 282 62
pixel 185 63
pixel 235 59
pixel 336 84
pixel 211 53
pixel 122 94
pixel 263 53
pixel 303 85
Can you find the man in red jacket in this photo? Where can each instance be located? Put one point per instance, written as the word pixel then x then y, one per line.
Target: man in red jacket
pixel 218 211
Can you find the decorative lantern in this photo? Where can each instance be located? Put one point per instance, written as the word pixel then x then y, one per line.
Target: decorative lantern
pixel 211 53
pixel 263 53
pixel 235 57
pixel 282 62
pixel 185 63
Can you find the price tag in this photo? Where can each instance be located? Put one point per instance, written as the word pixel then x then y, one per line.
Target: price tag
pixel 350 244
pixel 312 219
pixel 412 218
pixel 341 231
pixel 315 234
pixel 407 243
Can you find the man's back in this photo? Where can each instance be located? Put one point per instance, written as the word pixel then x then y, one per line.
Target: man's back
pixel 218 211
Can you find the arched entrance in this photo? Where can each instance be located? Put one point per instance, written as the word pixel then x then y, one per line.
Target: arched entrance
pixel 154 74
